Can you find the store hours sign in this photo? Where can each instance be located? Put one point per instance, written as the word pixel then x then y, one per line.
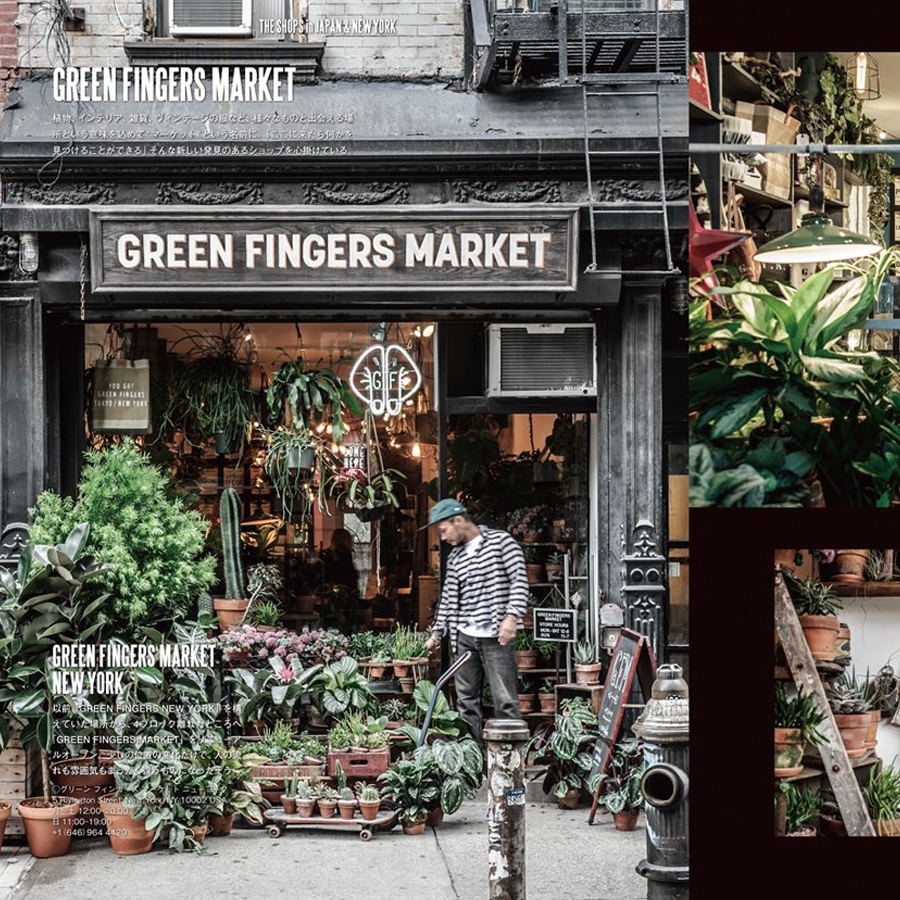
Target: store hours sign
pixel 311 248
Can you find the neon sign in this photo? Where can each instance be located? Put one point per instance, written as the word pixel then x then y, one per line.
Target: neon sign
pixel 384 377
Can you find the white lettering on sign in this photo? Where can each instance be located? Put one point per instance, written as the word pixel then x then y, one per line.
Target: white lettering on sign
pixel 176 251
pixel 383 377
pixel 517 250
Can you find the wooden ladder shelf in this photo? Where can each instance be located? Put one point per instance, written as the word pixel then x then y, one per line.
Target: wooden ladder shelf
pixel 802 666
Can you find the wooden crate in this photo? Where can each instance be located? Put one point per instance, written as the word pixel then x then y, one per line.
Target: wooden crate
pixel 590 692
pixel 362 764
pixel 20 777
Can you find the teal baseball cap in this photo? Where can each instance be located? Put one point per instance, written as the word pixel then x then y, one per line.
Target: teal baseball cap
pixel 444 509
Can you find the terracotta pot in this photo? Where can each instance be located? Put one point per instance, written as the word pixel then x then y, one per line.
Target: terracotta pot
pixel 626 820
pixel 572 799
pixel 220 826
pixel 820 633
pixel 5 813
pixel 849 565
pixel 414 828
pixel 199 832
pixel 785 559
pixel 832 826
pixel 127 835
pixel 435 817
pixel 347 808
pixel 368 809
pixel 229 612
pixel 548 702
pixel 842 643
pixel 48 827
pixel 887 827
pixel 305 808
pixel 401 667
pixel 289 804
pixel 327 808
pixel 588 673
pixel 526 659
pixel 871 740
pixel 853 728
pixel 526 703
pixel 376 671
pixel 535 573
pixel 789 746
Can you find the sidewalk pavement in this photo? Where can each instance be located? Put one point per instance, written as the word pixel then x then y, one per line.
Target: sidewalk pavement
pixel 565 859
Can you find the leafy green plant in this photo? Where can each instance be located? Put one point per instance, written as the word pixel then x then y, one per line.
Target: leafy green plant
pixel 799 711
pixel 311 396
pixel 459 765
pixel 848 694
pixel 153 544
pixel 297 486
pixel 407 643
pixel 226 779
pixel 525 640
pixel 585 655
pixel 563 749
pixel 360 491
pixel 210 392
pixel 800 808
pixel 267 612
pixel 339 687
pixel 367 792
pixel 43 604
pixel 882 797
pixel 620 785
pixel 412 786
pixel 815 598
pixel 271 693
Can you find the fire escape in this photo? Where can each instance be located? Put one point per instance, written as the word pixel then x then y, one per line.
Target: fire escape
pixel 616 52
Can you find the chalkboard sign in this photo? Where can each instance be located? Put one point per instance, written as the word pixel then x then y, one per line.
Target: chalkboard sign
pixel 554 625
pixel 631 654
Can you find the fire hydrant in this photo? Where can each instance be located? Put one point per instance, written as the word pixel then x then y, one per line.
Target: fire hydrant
pixel 663 726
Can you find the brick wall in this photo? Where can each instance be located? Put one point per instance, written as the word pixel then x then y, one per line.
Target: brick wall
pixel 417 37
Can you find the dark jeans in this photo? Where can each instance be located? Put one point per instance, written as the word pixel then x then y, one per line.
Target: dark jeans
pixel 496 664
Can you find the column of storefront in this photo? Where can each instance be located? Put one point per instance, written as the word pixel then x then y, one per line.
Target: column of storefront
pixel 629 446
pixel 22 410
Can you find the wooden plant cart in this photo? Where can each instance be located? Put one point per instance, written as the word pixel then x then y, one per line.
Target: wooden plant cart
pixel 279 821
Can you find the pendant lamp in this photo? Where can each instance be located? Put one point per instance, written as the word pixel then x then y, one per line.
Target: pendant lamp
pixel 862 75
pixel 817 239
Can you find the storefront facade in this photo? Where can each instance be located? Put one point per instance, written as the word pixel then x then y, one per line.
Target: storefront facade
pixel 320 197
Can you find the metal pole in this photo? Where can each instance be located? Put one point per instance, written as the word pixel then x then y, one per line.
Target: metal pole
pixel 505 742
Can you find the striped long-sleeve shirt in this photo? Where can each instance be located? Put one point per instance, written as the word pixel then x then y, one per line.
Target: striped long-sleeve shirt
pixel 483 587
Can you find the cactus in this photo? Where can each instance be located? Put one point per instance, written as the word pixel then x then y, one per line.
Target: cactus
pixel 205 605
pixel 230 513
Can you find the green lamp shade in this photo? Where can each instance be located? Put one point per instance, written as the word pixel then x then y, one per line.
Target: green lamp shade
pixel 817 240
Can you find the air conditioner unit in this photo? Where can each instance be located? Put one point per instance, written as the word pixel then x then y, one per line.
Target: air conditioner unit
pixel 210 17
pixel 541 360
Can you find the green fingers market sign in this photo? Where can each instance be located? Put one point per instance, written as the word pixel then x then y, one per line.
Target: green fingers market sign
pixel 310 248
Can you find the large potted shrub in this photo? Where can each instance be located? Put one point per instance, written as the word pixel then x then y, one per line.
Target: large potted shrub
pixel 152 541
pixel 412 787
pixel 228 785
pixel 44 603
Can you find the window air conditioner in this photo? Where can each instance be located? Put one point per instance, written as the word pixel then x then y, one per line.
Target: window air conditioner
pixel 541 360
pixel 210 17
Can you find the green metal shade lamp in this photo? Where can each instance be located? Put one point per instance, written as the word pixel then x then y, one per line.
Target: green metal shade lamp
pixel 817 239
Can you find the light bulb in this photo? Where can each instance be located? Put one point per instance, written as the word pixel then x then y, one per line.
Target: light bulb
pixel 416 450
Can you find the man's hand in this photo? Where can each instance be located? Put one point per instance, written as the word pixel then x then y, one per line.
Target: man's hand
pixel 507 633
pixel 431 642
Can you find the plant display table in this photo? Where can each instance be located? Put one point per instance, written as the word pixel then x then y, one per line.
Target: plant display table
pixel 279 821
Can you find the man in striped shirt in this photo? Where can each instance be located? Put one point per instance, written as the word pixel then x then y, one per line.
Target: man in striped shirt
pixel 483 598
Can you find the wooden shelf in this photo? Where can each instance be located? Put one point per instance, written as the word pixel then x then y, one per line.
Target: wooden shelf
pixel 754 195
pixel 739 84
pixel 700 113
pixel 866 588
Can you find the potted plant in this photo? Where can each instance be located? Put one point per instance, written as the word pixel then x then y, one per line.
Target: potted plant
pixel 339 687
pixel 368 799
pixel 228 784
pixel 563 749
pixel 774 359
pixel 851 708
pixel 817 606
pixel 210 394
pixel 411 786
pixel 797 721
pixel 366 494
pixel 547 695
pixel 328 800
pixel 882 797
pixel 526 695
pixel 587 666
pixel 307 795
pixel 346 796
pixel 459 765
pixel 272 693
pixel 530 523
pixel 620 785
pixel 44 602
pixel 264 584
pixel 289 797
pixel 408 651
pixel 310 397
pixel 850 566
pixel 801 807
pixel 231 609
pixel 266 615
pixel 526 651
pixel 554 565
